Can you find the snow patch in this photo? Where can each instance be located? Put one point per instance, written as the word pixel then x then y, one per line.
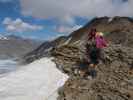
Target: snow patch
pixel 2 37
pixel 77 42
pixel 39 80
pixel 7 66
pixel 68 41
pixel 50 48
pixel 110 19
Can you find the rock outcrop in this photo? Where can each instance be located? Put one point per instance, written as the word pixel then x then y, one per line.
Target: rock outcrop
pixel 43 50
pixel 114 79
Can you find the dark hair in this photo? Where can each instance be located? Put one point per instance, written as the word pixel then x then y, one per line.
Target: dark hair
pixel 93 30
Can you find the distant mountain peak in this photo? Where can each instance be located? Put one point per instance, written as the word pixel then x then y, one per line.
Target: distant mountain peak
pixel 12 36
pixel 12 46
pixel 2 37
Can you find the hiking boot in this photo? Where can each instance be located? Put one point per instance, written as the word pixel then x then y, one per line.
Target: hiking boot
pixel 130 72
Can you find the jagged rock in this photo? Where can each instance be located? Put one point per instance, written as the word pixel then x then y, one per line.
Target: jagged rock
pixel 66 57
pixel 43 50
pixel 113 80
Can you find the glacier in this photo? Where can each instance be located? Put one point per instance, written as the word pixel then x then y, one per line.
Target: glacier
pixel 39 80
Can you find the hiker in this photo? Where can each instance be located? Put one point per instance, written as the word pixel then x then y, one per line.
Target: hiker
pixel 89 45
pixel 95 53
pixel 95 43
pixel 90 42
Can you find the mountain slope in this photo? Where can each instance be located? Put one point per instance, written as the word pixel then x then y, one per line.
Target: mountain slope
pixel 117 26
pixel 114 80
pixel 119 31
pixel 13 46
pixel 43 49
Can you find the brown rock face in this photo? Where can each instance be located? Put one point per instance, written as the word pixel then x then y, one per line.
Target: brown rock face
pixel 114 78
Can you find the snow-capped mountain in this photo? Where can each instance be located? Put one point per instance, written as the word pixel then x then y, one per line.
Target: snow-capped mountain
pixel 2 37
pixel 14 46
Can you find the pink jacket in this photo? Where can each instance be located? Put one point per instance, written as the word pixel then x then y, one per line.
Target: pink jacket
pixel 100 42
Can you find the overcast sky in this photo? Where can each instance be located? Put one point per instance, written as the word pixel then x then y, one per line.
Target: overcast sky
pixel 47 19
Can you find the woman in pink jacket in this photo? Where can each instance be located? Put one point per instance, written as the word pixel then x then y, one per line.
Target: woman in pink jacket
pixel 96 42
pixel 100 41
pixel 95 52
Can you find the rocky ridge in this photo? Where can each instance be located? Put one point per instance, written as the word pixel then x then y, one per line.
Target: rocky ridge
pixel 121 27
pixel 114 81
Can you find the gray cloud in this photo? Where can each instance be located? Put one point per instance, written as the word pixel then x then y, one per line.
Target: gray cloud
pixel 66 10
pixel 19 26
pixel 68 29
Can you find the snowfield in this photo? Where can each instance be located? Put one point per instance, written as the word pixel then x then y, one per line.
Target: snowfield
pixel 39 80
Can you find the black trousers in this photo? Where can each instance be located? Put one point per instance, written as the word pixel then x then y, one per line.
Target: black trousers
pixel 94 55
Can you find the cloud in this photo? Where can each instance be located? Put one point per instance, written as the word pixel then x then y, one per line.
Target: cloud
pixel 66 10
pixel 68 29
pixel 19 25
